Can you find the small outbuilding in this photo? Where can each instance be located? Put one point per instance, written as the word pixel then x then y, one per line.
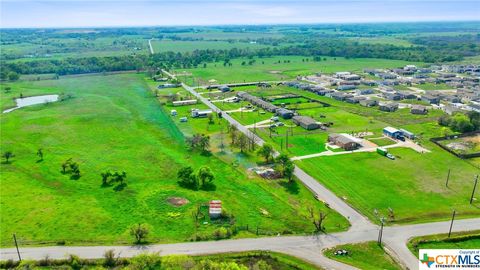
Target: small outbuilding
pixel 215 209
pixel 418 109
pixel 388 107
pixel 196 113
pixel 392 132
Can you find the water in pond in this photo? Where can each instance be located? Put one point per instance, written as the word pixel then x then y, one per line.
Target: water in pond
pixel 28 101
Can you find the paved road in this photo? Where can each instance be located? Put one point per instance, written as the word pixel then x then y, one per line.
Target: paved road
pixel 150 45
pixel 355 218
pixel 305 247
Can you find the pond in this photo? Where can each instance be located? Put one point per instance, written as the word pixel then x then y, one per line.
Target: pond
pixel 28 101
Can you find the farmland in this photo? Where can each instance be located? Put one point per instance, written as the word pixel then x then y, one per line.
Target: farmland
pixel 283 68
pixel 115 123
pixel 189 46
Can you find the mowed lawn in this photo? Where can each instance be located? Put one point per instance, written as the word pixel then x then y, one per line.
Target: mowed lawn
pixel 368 255
pixel 289 66
pixel 115 123
pixel 457 240
pixel 413 185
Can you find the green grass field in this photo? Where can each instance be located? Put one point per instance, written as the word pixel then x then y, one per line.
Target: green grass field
pixel 368 256
pixel 114 122
pixel 433 86
pixel 459 240
pixel 413 185
pixel 382 141
pixel 270 68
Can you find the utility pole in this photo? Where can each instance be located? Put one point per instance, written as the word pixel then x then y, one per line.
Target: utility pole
pixel 380 233
pixel 16 245
pixel 474 187
pixel 286 140
pixel 448 177
pixel 451 224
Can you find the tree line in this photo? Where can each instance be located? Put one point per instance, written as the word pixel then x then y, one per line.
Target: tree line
pixel 432 50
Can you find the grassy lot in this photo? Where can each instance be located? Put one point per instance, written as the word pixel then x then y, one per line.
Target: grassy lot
pixel 367 255
pixel 382 141
pixel 301 143
pixel 459 240
pixel 433 86
pixel 189 46
pixel 464 145
pixel 115 123
pixel 413 185
pixel 285 67
pixel 249 118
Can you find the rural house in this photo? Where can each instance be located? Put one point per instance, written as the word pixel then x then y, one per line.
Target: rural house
pixel 306 122
pixel 345 141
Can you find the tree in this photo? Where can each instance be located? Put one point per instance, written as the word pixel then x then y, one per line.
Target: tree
pixel 233 133
pixel 204 143
pixel 75 169
pixel 7 156
pixel 139 232
pixel 105 176
pixel 266 151
pixel 288 171
pixel 40 153
pixel 65 165
pixel 210 119
pixel 317 221
pixel 205 175
pixel 119 177
pixel 242 142
pixel 13 76
pixel 187 177
pixel 287 166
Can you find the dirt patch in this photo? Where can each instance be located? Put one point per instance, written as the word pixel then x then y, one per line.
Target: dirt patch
pixel 274 72
pixel 177 201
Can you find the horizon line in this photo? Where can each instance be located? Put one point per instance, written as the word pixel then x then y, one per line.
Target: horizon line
pixel 240 24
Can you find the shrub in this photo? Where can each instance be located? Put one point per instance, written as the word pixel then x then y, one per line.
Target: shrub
pixel 145 262
pixel 177 262
pixel 110 259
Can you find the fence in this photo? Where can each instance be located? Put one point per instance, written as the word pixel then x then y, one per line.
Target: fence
pixel 437 141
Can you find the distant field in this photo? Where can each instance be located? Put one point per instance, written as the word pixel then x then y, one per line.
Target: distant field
pixel 189 46
pixel 58 48
pixel 270 68
pixel 114 122
pixel 384 40
pixel 367 255
pixel 220 35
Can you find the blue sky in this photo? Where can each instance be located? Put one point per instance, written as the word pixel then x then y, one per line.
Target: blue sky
pixel 74 13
